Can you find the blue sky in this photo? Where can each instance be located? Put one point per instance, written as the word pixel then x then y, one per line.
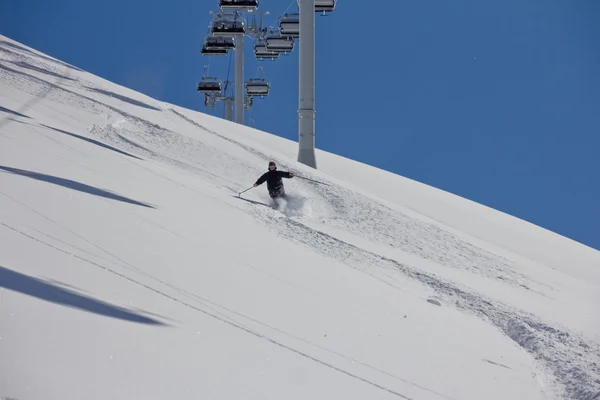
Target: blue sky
pixel 496 101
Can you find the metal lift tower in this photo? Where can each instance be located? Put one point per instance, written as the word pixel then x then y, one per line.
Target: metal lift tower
pixel 306 110
pixel 239 79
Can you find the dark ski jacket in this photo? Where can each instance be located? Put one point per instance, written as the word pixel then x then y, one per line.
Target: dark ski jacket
pixel 274 181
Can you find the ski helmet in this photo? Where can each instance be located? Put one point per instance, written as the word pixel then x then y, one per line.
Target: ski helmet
pixel 272 165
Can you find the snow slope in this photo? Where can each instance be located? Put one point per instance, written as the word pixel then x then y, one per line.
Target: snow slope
pixel 130 268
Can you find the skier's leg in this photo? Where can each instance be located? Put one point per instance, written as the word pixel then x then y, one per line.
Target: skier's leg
pixel 279 198
pixel 273 196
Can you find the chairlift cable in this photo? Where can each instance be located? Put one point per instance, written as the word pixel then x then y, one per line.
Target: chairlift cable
pixel 286 10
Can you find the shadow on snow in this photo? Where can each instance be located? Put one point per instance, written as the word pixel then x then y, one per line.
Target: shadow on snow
pixel 81 187
pixel 123 98
pixel 8 111
pixel 31 67
pixel 44 290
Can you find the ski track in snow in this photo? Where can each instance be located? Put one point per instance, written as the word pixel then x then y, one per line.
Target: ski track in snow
pixel 570 358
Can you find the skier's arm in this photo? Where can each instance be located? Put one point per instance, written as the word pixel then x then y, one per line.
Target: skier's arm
pixel 284 174
pixel 261 180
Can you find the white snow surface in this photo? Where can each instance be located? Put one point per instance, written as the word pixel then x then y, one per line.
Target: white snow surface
pixel 131 269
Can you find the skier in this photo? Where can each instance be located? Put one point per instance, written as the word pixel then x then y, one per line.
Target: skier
pixel 274 181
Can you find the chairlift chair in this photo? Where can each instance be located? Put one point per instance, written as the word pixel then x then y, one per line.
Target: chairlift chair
pixel 219 43
pixel 267 55
pixel 207 51
pixel 228 27
pixel 260 46
pixel 261 51
pixel 324 5
pixel 238 4
pixel 257 87
pixel 290 25
pixel 280 43
pixel 209 85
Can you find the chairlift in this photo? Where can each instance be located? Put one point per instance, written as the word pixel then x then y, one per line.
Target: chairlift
pixel 260 46
pixel 209 84
pixel 228 27
pixel 289 25
pixel 261 51
pixel 258 86
pixel 324 5
pixel 219 43
pixel 279 43
pixel 206 51
pixel 267 55
pixel 238 4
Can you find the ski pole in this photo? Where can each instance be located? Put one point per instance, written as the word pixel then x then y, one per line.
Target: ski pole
pixel 312 180
pixel 240 193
